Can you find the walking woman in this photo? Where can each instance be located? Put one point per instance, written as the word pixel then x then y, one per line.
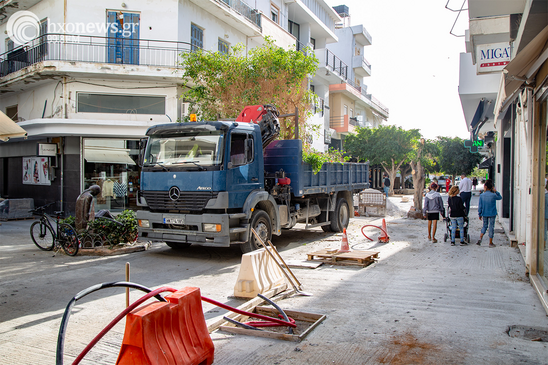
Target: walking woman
pixel 432 207
pixel 457 213
pixel 487 210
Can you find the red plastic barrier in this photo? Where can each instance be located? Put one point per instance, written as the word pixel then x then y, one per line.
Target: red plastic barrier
pixel 168 333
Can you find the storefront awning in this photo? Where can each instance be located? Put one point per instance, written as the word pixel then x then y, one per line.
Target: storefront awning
pixel 522 69
pixel 106 155
pixel 9 129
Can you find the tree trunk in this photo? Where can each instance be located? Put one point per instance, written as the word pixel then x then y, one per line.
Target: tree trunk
pixel 392 175
pixel 417 171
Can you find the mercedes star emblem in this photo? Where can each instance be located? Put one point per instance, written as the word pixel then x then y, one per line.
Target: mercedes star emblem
pixel 174 193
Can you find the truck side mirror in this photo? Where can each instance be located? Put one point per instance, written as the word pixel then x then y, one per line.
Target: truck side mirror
pixel 142 147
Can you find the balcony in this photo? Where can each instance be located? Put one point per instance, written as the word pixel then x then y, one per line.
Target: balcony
pixel 343 124
pixel 234 12
pixel 359 95
pixel 330 66
pixel 317 14
pixel 361 66
pixel 361 35
pixel 59 52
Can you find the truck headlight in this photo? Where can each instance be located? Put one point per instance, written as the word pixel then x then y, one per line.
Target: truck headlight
pixel 144 223
pixel 211 227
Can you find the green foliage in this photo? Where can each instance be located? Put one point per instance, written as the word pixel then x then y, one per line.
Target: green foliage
pixel 123 229
pixel 222 85
pixel 69 220
pixel 316 159
pixel 454 158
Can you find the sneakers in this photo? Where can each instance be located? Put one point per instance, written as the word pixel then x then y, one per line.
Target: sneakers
pixel 478 243
pixel 462 243
pixel 452 243
pixel 491 245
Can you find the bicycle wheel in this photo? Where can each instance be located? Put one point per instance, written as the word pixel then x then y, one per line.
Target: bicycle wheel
pixel 42 236
pixel 68 239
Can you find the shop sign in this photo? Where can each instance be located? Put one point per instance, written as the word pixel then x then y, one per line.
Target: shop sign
pixel 36 171
pixel 492 57
pixel 46 149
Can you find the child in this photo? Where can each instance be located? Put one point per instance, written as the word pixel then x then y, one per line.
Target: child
pixel 433 206
pixel 457 214
pixel 487 210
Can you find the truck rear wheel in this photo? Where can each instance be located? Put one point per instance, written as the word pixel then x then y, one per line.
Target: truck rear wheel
pixel 341 216
pixel 323 218
pixel 178 245
pixel 260 222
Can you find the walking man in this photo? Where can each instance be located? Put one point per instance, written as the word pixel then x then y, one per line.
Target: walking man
pixel 465 188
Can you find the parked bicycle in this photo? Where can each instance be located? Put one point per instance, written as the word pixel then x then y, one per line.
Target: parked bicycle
pixel 47 238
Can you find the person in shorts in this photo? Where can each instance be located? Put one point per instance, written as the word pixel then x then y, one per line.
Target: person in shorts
pixel 432 208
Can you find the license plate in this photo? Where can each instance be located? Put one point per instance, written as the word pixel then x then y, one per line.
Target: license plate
pixel 174 220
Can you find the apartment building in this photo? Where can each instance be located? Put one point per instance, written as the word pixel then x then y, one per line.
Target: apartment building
pixel 504 91
pixel 86 80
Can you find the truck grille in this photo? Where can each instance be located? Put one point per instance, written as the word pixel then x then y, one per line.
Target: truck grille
pixel 188 201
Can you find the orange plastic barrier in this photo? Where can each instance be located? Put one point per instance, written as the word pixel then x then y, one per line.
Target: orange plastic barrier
pixel 168 333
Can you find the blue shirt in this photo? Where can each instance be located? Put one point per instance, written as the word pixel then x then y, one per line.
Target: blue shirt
pixel 487 206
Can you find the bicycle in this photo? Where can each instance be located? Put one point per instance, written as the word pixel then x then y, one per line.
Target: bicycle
pixel 46 238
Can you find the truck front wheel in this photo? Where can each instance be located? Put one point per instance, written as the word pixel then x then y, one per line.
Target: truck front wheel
pixel 260 222
pixel 341 216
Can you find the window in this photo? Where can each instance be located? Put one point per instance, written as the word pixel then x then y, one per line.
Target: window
pixel 294 29
pixel 224 47
pixel 12 112
pixel 43 41
pixel 196 37
pixel 241 149
pixel 274 14
pixel 313 42
pixel 345 110
pixel 351 113
pixel 120 104
pixel 123 37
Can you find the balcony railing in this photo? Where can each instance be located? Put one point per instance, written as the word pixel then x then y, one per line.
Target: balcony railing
pixel 83 48
pixel 244 9
pixel 336 65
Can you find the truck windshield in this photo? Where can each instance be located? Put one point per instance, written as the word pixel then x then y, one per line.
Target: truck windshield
pixel 199 148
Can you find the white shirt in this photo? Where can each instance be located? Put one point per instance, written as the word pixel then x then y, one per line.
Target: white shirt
pixel 465 185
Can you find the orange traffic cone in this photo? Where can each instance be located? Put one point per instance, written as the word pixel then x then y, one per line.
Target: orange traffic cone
pixel 384 236
pixel 344 243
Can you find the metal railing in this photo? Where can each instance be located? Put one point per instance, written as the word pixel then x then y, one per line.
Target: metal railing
pixel 93 49
pixel 241 7
pixel 336 64
pixel 337 121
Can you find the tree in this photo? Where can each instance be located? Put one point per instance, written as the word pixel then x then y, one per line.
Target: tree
pixel 223 84
pixel 454 158
pixel 422 159
pixel 388 146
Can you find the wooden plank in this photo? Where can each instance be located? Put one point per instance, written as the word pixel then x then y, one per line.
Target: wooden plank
pixel 305 264
pixel 361 258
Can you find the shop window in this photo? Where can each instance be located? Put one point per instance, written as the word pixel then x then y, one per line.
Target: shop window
pixel 121 104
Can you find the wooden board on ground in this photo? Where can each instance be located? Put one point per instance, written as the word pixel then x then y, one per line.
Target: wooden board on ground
pixel 305 322
pixel 305 264
pixel 353 258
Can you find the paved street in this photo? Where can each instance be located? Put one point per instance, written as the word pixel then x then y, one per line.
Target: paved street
pixel 421 303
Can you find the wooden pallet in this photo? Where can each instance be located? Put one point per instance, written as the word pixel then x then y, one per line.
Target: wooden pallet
pixel 353 258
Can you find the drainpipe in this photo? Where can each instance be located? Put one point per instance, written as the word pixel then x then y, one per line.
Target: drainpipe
pixel 62 193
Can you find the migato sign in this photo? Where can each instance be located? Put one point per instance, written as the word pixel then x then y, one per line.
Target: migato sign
pixel 492 57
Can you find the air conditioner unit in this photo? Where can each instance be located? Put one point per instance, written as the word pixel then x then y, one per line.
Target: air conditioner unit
pixel 185 110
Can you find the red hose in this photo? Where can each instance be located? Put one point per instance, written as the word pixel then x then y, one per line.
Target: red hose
pixel 370 225
pixel 271 320
pixel 118 318
pixel 249 314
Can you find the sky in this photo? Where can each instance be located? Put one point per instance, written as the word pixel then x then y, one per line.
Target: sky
pixel 414 61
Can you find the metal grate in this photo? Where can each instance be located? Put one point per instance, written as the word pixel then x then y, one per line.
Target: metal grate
pixel 188 201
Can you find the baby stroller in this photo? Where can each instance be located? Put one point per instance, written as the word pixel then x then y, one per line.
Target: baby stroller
pixel 458 232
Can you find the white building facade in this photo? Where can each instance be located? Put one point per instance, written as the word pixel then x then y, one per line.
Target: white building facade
pixel 95 76
pixel 503 90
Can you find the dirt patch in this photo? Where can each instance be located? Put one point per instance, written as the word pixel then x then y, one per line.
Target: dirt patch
pixel 407 349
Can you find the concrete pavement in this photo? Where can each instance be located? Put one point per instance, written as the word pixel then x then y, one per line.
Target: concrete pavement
pixel 421 303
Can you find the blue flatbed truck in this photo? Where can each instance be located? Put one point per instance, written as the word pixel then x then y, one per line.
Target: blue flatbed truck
pixel 208 183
